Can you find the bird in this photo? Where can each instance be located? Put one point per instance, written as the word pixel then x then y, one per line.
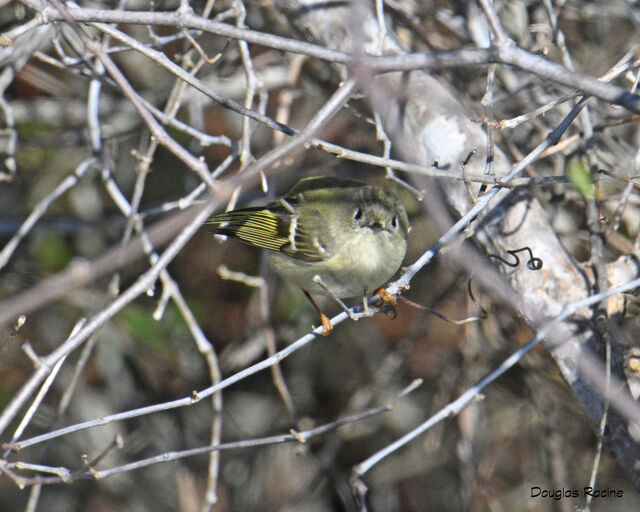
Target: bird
pixel 327 235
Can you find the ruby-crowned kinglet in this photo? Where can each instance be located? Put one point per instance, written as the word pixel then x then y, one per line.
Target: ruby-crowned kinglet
pixel 352 235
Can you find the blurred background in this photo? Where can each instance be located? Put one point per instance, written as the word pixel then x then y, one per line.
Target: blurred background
pixel 526 431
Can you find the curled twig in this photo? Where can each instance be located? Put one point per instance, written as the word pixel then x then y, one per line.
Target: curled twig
pixel 533 263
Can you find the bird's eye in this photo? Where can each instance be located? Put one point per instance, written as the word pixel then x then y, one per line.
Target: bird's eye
pixel 394 222
pixel 357 214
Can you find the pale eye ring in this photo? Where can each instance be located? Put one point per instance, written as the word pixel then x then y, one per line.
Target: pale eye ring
pixel 357 215
pixel 394 222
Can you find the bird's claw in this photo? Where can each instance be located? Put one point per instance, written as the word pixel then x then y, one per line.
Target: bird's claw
pixel 327 326
pixel 387 298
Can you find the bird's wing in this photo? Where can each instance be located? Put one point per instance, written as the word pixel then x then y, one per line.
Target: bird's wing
pixel 275 228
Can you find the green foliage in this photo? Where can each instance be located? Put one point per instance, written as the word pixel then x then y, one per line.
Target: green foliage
pixel 578 174
pixel 142 326
pixel 52 251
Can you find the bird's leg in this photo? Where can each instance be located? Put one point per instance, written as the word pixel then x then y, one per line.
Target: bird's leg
pixel 327 326
pixel 317 279
pixel 366 311
pixel 387 298
pixel 365 301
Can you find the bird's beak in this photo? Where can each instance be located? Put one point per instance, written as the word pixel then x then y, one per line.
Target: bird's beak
pixel 377 225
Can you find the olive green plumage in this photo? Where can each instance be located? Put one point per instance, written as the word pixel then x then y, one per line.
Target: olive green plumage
pixel 354 236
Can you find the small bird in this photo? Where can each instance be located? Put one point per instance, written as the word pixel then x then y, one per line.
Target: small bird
pixel 326 234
